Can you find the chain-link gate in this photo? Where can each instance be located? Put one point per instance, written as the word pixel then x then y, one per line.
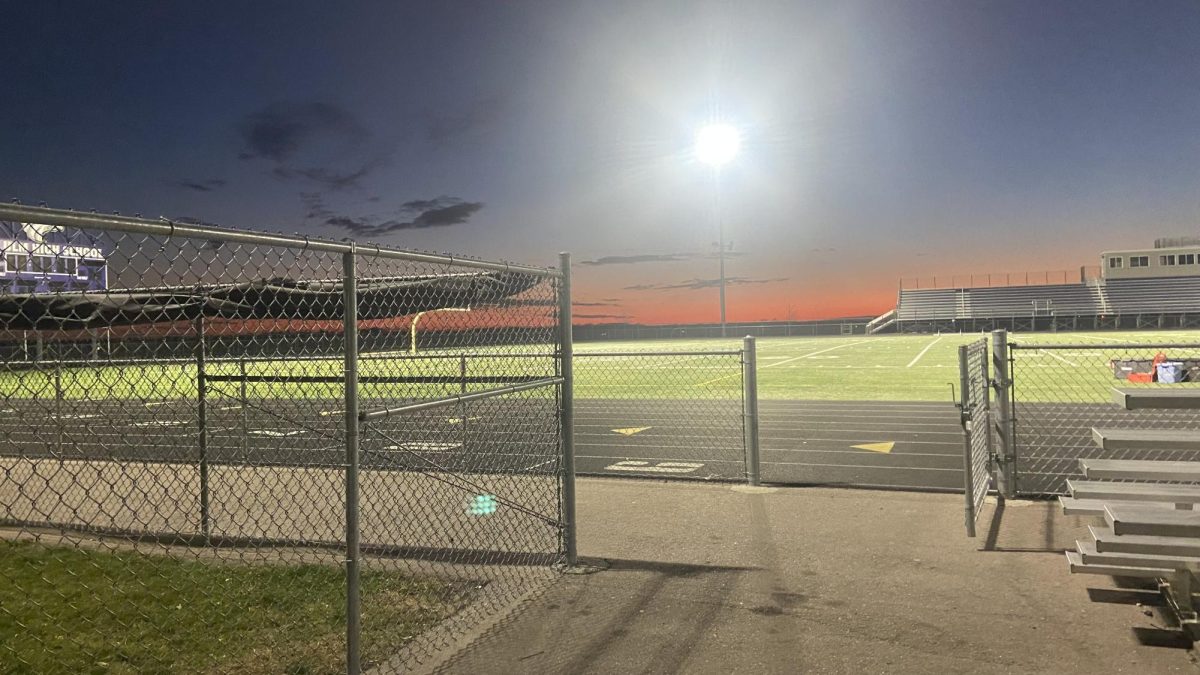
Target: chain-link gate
pixel 975 409
pixel 225 450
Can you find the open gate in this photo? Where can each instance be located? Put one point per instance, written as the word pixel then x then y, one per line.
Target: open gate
pixel 975 412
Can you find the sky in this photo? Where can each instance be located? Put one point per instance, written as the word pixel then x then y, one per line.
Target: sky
pixel 881 140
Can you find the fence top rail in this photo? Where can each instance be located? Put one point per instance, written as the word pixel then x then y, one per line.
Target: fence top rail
pixel 725 352
pixel 1108 346
pixel 168 228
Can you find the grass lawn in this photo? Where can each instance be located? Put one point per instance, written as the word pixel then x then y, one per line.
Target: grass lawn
pixel 68 610
pixel 885 367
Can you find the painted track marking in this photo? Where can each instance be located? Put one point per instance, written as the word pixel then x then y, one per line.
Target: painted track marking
pixel 660 467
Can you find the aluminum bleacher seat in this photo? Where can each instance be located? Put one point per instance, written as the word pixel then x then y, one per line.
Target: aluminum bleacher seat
pixel 1157 399
pixel 1146 439
pixel 1151 529
pixel 1060 299
pixel 1154 295
pixel 924 304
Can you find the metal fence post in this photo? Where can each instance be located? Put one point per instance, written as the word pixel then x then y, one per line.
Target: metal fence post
pixel 202 422
pixel 243 401
pixel 1002 382
pixel 462 390
pixel 58 407
pixel 567 412
pixel 750 407
pixel 350 327
pixel 968 425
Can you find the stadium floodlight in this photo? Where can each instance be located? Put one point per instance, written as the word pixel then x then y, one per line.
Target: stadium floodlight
pixel 717 144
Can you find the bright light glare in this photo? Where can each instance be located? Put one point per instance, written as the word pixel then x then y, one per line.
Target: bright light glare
pixel 716 144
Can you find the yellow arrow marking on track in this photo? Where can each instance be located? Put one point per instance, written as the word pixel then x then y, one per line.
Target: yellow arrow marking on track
pixel 629 431
pixel 876 447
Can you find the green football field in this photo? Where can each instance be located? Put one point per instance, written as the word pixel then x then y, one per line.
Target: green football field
pixel 885 367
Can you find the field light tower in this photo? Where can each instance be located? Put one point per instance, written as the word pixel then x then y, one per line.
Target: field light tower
pixel 716 145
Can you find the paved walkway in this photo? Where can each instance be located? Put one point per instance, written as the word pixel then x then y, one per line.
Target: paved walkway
pixel 706 579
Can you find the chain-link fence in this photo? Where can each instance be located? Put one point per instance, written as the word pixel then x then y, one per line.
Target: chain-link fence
pixel 229 451
pixel 1062 391
pixel 975 406
pixel 661 414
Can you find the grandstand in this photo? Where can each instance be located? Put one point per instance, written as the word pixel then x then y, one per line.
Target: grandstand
pixel 1155 288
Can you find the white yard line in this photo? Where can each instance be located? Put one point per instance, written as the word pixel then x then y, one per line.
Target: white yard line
pixel 780 363
pixel 275 434
pixel 918 356
pixel 1056 356
pixel 1102 339
pixel 423 445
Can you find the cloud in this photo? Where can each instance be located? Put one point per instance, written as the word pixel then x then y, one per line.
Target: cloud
pixel 438 212
pixel 700 284
pixel 314 206
pixel 636 259
pixel 591 304
pixel 600 316
pixel 311 140
pixel 655 258
pixel 280 130
pixel 332 179
pixel 445 126
pixel 201 185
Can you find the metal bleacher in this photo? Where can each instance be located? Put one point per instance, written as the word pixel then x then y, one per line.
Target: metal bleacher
pixel 921 305
pixel 1150 299
pixel 1157 295
pixel 1005 301
pixel 1062 299
pixel 1151 526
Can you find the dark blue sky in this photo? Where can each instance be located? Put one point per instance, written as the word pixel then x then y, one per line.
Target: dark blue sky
pixel 883 139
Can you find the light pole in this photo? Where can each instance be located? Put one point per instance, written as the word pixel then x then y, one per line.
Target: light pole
pixel 716 145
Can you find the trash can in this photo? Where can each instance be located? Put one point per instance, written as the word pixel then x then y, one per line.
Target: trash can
pixel 1170 372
